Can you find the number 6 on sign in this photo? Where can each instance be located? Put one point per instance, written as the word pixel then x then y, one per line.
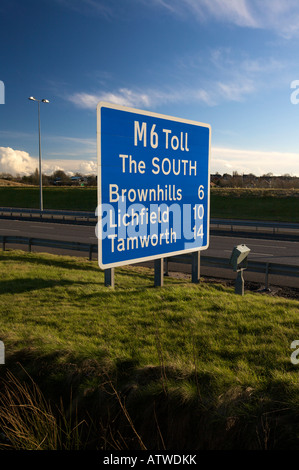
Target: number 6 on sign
pixel 201 192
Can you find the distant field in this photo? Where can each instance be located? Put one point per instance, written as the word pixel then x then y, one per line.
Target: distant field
pixel 256 204
pixel 195 365
pixel 4 182
pixel 67 198
pixel 260 204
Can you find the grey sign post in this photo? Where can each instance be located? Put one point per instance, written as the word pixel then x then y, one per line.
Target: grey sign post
pixel 40 155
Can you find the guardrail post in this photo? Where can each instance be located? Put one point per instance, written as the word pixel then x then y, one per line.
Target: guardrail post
pixel 3 243
pixel 29 245
pixel 159 272
pixel 196 267
pixel 109 277
pixel 166 273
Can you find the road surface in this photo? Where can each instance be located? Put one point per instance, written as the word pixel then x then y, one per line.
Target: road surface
pixel 267 250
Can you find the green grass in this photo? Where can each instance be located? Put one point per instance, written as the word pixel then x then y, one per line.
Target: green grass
pixel 257 204
pixel 66 198
pixel 179 353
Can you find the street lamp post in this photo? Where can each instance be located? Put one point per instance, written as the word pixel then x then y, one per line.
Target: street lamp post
pixel 40 154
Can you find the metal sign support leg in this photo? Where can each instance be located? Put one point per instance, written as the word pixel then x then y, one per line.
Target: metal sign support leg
pixel 159 272
pixel 196 267
pixel 109 277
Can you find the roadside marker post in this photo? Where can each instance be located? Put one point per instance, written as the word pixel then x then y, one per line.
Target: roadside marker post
pixel 153 188
pixel 239 262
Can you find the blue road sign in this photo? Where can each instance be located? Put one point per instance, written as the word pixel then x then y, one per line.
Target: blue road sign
pixel 153 185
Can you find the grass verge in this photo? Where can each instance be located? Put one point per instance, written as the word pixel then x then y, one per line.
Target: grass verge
pixel 179 367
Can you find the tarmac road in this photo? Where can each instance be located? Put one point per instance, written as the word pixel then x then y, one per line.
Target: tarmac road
pixel 268 250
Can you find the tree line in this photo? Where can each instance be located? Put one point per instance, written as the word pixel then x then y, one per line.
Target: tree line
pixel 226 180
pixel 268 180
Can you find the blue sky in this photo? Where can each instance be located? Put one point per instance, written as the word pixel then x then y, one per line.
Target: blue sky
pixel 228 63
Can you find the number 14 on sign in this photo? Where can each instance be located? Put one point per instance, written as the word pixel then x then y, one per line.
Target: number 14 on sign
pixel 199 211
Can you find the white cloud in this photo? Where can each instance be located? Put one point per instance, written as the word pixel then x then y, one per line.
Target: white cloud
pixel 70 166
pixel 223 160
pixel 228 75
pixel 281 16
pixel 236 91
pixel 16 161
pixel 75 147
pixel 123 96
pixel 234 11
pixel 210 94
pixel 224 76
pixel 227 61
pixel 226 160
pixel 19 162
pixel 84 100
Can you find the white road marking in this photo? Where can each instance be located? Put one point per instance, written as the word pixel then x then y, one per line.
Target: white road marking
pixel 270 246
pixel 41 224
pixel 252 253
pixel 260 254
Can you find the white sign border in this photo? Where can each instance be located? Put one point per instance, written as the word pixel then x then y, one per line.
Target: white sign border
pixel 104 104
